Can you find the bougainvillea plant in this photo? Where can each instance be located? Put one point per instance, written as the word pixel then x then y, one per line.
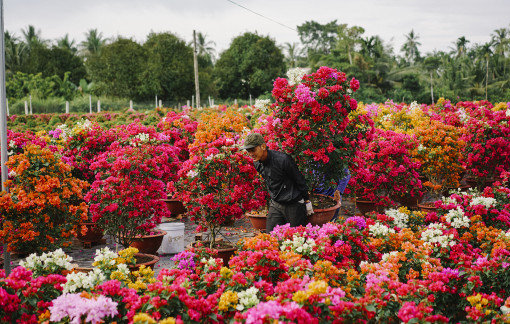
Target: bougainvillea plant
pixel 44 206
pixel 217 184
pixel 487 137
pixel 385 168
pixel 181 128
pixel 439 152
pixel 125 199
pixel 309 121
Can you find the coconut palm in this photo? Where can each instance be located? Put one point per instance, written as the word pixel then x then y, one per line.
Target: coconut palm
pixel 501 40
pixel 16 52
pixel 93 42
pixel 294 54
pixel 65 43
pixel 33 37
pixel 410 47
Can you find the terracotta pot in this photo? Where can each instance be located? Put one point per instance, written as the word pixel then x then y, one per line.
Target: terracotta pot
pixel 258 221
pixel 225 250
pixel 94 233
pixel 480 183
pixel 145 259
pixel 427 207
pixel 322 216
pixel 409 202
pixel 175 206
pixel 366 206
pixel 149 244
pixel 461 187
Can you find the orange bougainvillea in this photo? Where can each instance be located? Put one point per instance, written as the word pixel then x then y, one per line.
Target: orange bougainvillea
pixel 439 152
pixel 44 205
pixel 218 124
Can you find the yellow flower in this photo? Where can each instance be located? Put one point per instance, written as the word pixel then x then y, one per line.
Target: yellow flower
pixel 228 299
pixel 300 297
pixel 117 275
pixel 168 320
pixel 317 287
pixel 226 273
pixel 143 318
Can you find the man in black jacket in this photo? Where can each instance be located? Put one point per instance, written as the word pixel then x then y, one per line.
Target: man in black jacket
pixel 285 183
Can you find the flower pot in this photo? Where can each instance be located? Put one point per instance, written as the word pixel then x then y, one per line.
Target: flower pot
pixel 321 216
pixel 175 206
pixel 366 206
pixel 149 244
pixel 94 233
pixel 427 207
pixel 145 259
pixel 258 221
pixel 461 187
pixel 225 250
pixel 480 183
pixel 408 201
pixel 173 241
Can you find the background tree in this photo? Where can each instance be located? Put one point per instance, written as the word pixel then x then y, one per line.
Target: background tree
pixel 93 43
pixel 169 70
pixel 318 39
pixel 410 48
pixel 67 44
pixel 117 70
pixel 248 66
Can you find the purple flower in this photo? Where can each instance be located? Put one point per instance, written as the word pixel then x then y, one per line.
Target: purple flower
pixel 338 243
pixel 303 94
pixel 185 260
pixel 358 220
pixel 450 271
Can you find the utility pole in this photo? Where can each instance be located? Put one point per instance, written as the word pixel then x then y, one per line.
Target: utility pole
pixel 3 126
pixel 195 60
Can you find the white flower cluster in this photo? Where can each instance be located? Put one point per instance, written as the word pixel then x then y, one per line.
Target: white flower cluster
pixel 399 219
pixel 457 218
pixel 449 200
pixel 485 201
pixel 12 145
pixel 66 131
pixel 247 299
pixel 508 112
pixel 106 256
pixel 211 262
pixel 262 104
pixel 421 148
pixel 379 230
pixel 295 75
pixel 142 137
pixel 386 256
pixel 192 174
pixel 51 260
pixel 414 106
pixel 300 245
pixel 82 281
pixel 434 234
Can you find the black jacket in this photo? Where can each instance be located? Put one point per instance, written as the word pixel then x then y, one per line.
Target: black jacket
pixel 284 181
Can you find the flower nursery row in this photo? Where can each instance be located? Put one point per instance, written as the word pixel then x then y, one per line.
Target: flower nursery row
pixel 399 266
pixel 394 266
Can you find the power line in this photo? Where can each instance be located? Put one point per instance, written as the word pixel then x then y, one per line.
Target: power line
pixel 279 23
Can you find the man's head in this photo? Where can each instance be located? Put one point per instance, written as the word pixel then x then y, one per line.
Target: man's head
pixel 255 146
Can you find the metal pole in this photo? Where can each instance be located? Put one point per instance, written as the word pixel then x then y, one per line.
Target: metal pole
pixel 30 99
pixel 67 107
pixel 156 101
pixel 130 104
pixel 3 125
pixel 195 61
pixel 90 104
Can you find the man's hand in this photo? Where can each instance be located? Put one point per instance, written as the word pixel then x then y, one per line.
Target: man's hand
pixel 309 208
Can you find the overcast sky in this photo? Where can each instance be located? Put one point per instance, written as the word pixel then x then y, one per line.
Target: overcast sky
pixel 437 22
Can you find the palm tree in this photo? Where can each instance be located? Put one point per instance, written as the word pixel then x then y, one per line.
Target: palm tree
pixel 460 45
pixel 486 51
pixel 294 53
pixel 205 47
pixel 410 47
pixel 33 37
pixel 93 42
pixel 501 41
pixel 15 52
pixel 65 43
